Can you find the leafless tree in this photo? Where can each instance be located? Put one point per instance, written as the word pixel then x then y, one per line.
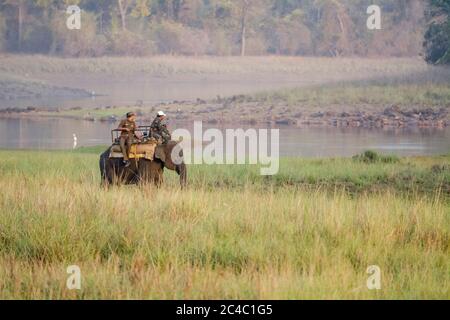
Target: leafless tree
pixel 244 18
pixel 123 7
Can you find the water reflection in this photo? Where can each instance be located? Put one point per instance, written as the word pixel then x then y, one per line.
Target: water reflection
pixel 304 142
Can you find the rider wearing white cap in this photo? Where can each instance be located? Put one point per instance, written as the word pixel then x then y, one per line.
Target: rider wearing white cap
pixel 159 128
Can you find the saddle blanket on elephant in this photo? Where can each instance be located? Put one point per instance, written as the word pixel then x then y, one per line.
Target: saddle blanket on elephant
pixel 137 151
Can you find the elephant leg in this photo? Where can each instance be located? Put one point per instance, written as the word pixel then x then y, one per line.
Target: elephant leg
pixel 120 175
pixel 117 175
pixel 150 172
pixel 105 169
pixel 114 173
pixel 158 179
pixel 158 176
pixel 105 182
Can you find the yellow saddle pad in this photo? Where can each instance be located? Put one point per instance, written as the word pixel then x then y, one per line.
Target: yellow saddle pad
pixel 137 151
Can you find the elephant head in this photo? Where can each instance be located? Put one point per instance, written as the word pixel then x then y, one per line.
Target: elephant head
pixel 171 155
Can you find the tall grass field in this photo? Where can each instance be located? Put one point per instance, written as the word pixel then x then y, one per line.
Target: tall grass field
pixel 310 232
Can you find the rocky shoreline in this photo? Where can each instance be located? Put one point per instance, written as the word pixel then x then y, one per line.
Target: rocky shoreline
pixel 256 113
pixel 390 117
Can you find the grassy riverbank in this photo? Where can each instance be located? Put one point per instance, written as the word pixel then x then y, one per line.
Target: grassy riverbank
pixel 356 94
pixel 164 66
pixel 309 232
pixel 313 91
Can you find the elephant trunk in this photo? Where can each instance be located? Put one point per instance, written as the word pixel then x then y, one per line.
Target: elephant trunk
pixel 182 172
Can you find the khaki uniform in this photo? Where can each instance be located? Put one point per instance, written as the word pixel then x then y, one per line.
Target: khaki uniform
pixel 126 138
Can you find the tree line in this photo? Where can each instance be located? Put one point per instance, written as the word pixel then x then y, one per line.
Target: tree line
pixel 226 27
pixel 437 37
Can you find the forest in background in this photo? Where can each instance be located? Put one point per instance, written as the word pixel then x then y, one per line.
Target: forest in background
pixel 227 27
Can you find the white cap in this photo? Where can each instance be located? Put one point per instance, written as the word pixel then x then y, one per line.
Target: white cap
pixel 161 114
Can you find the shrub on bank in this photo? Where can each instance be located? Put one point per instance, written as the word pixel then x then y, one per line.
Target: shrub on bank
pixel 370 156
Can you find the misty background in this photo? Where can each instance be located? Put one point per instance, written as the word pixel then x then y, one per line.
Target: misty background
pixel 224 27
pixel 265 63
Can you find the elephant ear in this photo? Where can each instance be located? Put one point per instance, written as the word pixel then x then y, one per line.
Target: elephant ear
pixel 160 153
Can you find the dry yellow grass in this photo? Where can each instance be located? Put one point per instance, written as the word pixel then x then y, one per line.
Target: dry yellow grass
pixel 244 243
pixel 308 67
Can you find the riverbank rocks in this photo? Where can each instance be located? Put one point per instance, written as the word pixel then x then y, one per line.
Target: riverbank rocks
pixel 18 110
pixel 245 111
pixel 286 122
pixel 318 115
pixel 390 117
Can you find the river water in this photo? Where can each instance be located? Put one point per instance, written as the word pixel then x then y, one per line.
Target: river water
pixel 309 142
pixel 129 91
pixel 294 141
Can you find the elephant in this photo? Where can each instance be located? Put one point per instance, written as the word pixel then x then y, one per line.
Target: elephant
pixel 144 171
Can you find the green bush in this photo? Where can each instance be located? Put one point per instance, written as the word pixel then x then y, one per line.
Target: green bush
pixel 437 37
pixel 370 156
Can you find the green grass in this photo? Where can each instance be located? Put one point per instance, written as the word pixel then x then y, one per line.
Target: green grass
pixel 231 234
pixel 407 176
pixel 352 94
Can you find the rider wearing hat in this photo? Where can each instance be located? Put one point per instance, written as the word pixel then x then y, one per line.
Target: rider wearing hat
pixel 159 128
pixel 128 133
